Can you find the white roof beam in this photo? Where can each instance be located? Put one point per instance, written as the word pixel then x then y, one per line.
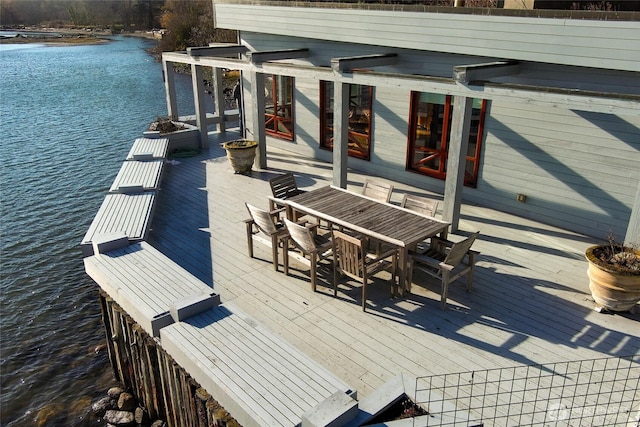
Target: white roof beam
pixel 216 50
pixel 275 55
pixel 347 64
pixel 479 72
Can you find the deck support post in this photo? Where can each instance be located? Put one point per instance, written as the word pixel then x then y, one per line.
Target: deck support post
pixel 633 228
pixel 456 163
pixel 170 89
pixel 218 96
pixel 340 133
pixel 258 111
pixel 197 80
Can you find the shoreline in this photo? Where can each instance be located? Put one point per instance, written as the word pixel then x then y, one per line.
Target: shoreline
pixel 64 36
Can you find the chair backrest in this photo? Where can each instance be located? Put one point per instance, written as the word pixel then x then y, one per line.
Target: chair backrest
pixel 459 250
pixel 263 219
pixel 422 205
pixel 349 253
pixel 283 185
pixel 379 191
pixel 301 235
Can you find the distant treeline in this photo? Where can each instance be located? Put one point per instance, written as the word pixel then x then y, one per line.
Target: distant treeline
pixel 188 22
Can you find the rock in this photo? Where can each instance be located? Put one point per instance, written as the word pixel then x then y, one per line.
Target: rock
pixel 115 392
pixel 140 416
pixel 100 406
pixel 159 423
pixel 119 418
pixel 127 402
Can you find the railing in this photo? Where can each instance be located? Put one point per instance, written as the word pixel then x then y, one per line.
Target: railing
pixel 597 392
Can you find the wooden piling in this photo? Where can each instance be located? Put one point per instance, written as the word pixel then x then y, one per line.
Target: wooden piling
pixel 163 388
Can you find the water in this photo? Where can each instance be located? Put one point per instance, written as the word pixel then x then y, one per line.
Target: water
pixel 68 116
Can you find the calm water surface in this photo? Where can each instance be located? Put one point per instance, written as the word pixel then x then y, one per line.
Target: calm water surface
pixel 68 116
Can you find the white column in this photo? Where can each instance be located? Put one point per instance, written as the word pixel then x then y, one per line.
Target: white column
pixel 340 133
pixel 258 111
pixel 633 228
pixel 198 100
pixel 170 89
pixel 457 152
pixel 218 96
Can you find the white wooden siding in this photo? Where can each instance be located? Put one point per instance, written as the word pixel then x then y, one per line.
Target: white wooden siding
pixel 588 43
pixel 578 169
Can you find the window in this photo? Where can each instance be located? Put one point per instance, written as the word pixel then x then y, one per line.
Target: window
pixel 429 132
pixel 279 106
pixel 359 134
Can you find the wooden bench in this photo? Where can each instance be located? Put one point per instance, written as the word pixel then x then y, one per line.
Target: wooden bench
pixel 254 374
pixel 150 287
pixel 144 149
pixel 142 176
pixel 127 213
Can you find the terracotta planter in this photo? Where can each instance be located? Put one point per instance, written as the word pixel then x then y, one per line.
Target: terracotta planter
pixel 241 154
pixel 611 288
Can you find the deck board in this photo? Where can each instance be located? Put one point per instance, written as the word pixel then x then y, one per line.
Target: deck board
pixel 531 303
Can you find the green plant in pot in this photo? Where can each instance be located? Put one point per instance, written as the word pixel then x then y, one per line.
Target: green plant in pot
pixel 614 276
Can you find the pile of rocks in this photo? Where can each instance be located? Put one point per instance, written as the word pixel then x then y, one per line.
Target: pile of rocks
pixel 120 409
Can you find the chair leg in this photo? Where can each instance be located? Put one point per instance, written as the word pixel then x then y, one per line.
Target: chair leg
pixel 364 292
pixel 313 271
pixel 250 239
pixel 274 252
pixel 285 255
pixel 445 289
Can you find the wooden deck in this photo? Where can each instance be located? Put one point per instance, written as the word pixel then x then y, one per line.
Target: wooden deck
pixel 530 304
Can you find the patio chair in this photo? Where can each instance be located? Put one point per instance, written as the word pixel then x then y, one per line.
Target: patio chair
pixel 316 247
pixel 379 191
pixel 283 187
pixel 351 259
pixel 422 205
pixel 445 261
pixel 265 227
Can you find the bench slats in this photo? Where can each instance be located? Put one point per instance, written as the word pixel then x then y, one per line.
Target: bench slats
pixel 144 282
pixel 274 381
pixel 145 174
pixel 149 149
pixel 126 213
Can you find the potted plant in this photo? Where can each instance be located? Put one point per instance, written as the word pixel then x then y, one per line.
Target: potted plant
pixel 614 276
pixel 241 153
pixel 181 135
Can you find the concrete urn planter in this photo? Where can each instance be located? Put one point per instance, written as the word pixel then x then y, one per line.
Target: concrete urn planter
pixel 612 288
pixel 241 154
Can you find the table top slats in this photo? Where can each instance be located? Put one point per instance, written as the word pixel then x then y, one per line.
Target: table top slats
pixel 382 221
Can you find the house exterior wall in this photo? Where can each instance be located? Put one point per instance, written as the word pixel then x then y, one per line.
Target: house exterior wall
pixel 578 168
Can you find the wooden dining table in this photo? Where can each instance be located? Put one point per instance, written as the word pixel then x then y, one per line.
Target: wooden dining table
pixel 385 222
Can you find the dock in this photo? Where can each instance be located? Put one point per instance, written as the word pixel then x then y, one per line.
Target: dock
pixel 530 304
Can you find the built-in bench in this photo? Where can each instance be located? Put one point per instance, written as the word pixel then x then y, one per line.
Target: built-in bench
pixel 128 208
pixel 254 374
pixel 144 149
pixel 142 176
pixel 149 286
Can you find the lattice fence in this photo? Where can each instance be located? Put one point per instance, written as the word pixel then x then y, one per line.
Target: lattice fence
pixel 597 392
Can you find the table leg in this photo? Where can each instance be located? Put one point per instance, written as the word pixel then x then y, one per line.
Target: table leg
pixel 403 264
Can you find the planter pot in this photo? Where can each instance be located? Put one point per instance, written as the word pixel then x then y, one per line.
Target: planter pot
pixel 188 137
pixel 611 288
pixel 241 154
